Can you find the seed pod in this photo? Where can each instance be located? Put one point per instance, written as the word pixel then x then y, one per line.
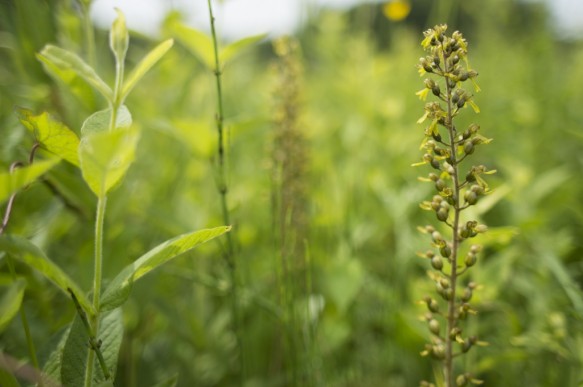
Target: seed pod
pixel 479 190
pixel 445 251
pixel 461 102
pixel 435 164
pixel 438 351
pixel 447 294
pixel 454 333
pixel 432 305
pixel 444 282
pixel 436 90
pixel 436 59
pixel 469 147
pixel 434 326
pixel 436 236
pixel 440 185
pixel 437 263
pixel 470 260
pixel 467 295
pixel 471 197
pixel 455 59
pixel 464 76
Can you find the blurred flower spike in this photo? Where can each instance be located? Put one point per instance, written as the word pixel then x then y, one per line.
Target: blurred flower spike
pixel 397 10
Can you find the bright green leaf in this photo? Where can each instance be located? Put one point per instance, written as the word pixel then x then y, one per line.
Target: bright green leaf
pixel 11 301
pixel 195 41
pixel 52 368
pixel 53 135
pixel 74 83
pixel 66 60
pixel 235 48
pixel 12 182
pixel 106 157
pixel 144 66
pixel 99 121
pixel 30 254
pixel 117 291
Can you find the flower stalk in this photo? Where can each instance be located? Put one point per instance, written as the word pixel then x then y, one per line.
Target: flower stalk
pixel 446 149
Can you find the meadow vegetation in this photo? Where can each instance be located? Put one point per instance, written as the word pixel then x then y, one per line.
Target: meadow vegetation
pixel 319 282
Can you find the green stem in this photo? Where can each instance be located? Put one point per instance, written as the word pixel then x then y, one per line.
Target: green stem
pixel 451 319
pixel 223 190
pixel 89 34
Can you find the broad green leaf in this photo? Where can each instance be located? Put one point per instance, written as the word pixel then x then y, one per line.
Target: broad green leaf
pixel 170 382
pixel 11 301
pixel 54 136
pixel 52 368
pixel 66 60
pixel 144 66
pixel 30 254
pixel 235 48
pixel 76 349
pixel 117 291
pixel 106 157
pixel 74 356
pixel 99 121
pixel 7 379
pixel 75 84
pixel 111 335
pixel 12 182
pixel 195 41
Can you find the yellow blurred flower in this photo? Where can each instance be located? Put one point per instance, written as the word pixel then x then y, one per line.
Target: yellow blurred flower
pixel 397 10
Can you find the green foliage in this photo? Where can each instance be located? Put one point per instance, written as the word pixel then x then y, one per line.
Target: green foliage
pixel 11 301
pixel 356 109
pixel 12 182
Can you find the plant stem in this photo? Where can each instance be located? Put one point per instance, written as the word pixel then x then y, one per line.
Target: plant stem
pixel 89 35
pixel 93 327
pixel 451 319
pixel 223 190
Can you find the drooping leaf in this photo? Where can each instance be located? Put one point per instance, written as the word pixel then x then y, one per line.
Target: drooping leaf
pixel 117 291
pixel 144 66
pixel 12 182
pixel 11 301
pixel 66 60
pixel 197 42
pixel 75 84
pixel 235 48
pixel 99 121
pixel 25 251
pixel 54 136
pixel 106 157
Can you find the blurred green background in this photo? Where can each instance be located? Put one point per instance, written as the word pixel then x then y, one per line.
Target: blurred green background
pixel 340 306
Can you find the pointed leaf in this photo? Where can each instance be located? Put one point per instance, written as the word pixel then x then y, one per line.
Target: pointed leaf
pixel 53 135
pixel 67 60
pixel 75 84
pixel 195 41
pixel 76 349
pixel 74 356
pixel 99 121
pixel 116 292
pixel 235 48
pixel 30 254
pixel 111 335
pixel 11 301
pixel 52 368
pixel 106 157
pixel 144 66
pixel 12 182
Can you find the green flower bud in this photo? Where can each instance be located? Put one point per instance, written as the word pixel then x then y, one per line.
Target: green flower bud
pixel 432 304
pixel 119 37
pixel 440 185
pixel 467 295
pixel 444 282
pixel 461 381
pixel 438 351
pixel 454 333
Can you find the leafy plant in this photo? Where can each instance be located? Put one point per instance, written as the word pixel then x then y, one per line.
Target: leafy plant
pixel 88 350
pixel 457 190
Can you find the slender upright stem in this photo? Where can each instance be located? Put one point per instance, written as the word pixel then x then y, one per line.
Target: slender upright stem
pixel 223 191
pixel 97 275
pixel 451 319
